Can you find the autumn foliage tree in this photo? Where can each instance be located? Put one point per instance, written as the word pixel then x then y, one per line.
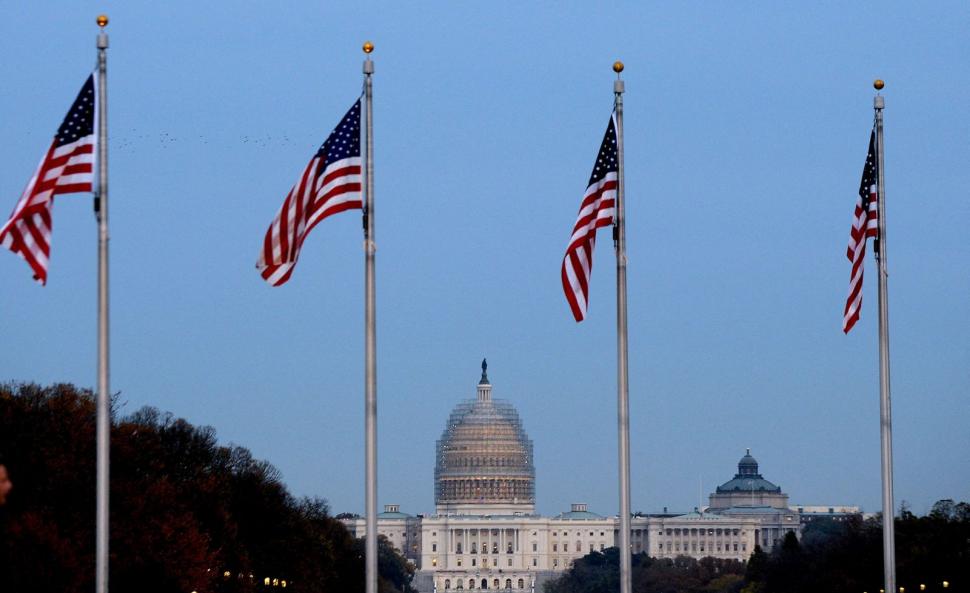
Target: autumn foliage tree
pixel 186 513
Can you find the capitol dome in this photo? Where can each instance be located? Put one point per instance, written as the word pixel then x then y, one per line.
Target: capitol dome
pixel 484 459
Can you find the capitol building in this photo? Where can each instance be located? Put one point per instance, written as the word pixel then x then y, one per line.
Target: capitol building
pixel 485 533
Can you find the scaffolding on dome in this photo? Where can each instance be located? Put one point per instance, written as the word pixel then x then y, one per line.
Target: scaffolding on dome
pixel 484 456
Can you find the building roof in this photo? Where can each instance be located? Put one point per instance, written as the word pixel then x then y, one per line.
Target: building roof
pixel 748 484
pixel 578 516
pixel 748 479
pixel 393 515
pixel 696 515
pixel 762 510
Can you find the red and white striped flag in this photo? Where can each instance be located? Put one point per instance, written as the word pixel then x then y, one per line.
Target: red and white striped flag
pixel 67 167
pixel 596 211
pixel 330 183
pixel 865 224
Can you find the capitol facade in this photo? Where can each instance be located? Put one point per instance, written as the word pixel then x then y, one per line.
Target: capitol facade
pixel 485 533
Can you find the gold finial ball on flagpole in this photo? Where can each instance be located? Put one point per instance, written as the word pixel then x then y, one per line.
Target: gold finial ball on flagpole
pixel 617 66
pixel 368 47
pixel 878 84
pixel 102 20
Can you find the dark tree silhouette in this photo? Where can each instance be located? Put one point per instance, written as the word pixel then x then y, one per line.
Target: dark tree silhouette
pixel 186 513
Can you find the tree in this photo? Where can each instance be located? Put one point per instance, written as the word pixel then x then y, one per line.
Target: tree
pixel 186 513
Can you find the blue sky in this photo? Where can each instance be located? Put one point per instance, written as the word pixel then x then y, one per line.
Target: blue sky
pixel 746 131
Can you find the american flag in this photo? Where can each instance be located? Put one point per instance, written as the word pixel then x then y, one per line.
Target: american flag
pixel 67 167
pixel 865 224
pixel 596 210
pixel 329 184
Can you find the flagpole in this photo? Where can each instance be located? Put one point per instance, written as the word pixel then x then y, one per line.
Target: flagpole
pixel 622 374
pixel 370 336
pixel 885 408
pixel 104 400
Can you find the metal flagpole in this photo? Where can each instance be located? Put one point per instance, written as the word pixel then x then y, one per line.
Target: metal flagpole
pixel 885 408
pixel 622 374
pixel 104 400
pixel 370 337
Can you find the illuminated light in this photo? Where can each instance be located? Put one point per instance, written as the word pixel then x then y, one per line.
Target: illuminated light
pixel 922 587
pixel 276 582
pixel 946 584
pixel 283 584
pixel 266 581
pixel 226 574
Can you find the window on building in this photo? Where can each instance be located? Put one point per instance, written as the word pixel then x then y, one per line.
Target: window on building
pixel 458 548
pixel 458 561
pixel 555 547
pixel 508 583
pixel 434 547
pixel 508 548
pixel 591 534
pixel 602 546
pixel 494 584
pixel 535 547
pixel 474 548
pixel 579 546
pixel 460 585
pixel 521 584
pixel 471 583
pixel 591 548
pixel 660 546
pixel 495 547
pixel 510 561
pixel 565 547
pixel 555 562
pixel 447 584
pixel 474 561
pixel 434 561
pixel 535 562
pixel 735 547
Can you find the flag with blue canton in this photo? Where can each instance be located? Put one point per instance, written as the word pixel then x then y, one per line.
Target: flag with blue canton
pixel 596 211
pixel 67 167
pixel 329 184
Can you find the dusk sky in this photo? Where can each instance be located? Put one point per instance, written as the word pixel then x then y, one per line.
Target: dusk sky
pixel 746 131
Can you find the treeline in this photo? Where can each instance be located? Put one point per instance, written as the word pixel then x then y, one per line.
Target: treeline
pixel 186 513
pixel 832 557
